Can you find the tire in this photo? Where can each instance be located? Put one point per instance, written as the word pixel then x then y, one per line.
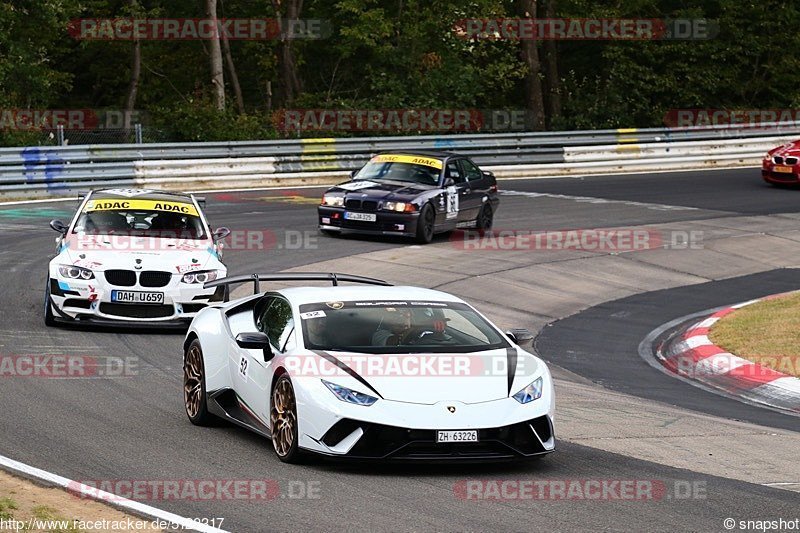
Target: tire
pixel 49 318
pixel 283 420
pixel 485 218
pixel 195 401
pixel 425 224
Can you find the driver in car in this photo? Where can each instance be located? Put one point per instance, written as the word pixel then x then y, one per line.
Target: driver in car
pixel 394 329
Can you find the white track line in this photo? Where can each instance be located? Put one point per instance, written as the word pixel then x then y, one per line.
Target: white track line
pixel 174 521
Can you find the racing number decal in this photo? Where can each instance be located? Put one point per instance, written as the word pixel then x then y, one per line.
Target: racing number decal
pixel 452 202
pixel 243 368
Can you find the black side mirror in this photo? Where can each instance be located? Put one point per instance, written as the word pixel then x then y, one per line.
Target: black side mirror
pixel 59 226
pixel 487 174
pixel 220 234
pixel 256 340
pixel 353 173
pixel 520 336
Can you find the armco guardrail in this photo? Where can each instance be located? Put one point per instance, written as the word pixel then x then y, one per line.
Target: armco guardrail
pixel 61 170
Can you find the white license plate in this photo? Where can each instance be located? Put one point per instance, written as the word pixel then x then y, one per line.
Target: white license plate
pixel 136 297
pixel 470 435
pixel 782 169
pixel 364 217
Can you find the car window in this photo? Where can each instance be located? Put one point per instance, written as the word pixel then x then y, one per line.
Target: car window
pixel 471 171
pixel 454 172
pixel 276 321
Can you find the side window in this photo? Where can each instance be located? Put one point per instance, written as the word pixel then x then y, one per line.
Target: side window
pixel 454 171
pixel 472 172
pixel 277 322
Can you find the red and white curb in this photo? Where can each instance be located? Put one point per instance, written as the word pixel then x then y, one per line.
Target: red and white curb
pixel 693 356
pixel 162 519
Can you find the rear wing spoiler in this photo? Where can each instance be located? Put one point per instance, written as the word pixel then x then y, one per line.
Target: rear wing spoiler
pixel 256 280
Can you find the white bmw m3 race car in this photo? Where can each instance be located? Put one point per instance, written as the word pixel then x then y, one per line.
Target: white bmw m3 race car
pixel 133 257
pixel 367 372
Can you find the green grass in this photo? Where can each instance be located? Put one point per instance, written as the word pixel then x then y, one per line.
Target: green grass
pixel 6 506
pixel 767 333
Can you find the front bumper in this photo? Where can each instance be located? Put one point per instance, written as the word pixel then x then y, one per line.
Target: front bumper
pixel 770 176
pixel 400 431
pixel 90 301
pixel 387 222
pixel 531 438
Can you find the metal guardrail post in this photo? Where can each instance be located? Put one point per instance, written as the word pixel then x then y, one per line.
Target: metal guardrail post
pixel 138 130
pixel 60 134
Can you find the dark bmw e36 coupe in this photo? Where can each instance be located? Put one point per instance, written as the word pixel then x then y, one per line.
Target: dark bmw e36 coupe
pixel 413 194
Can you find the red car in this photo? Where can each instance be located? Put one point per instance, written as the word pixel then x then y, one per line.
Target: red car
pixel 781 165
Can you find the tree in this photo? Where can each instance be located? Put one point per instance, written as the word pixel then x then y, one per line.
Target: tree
pixel 215 58
pixel 534 99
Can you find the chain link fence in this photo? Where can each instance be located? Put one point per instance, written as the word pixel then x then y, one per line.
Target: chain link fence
pixel 138 134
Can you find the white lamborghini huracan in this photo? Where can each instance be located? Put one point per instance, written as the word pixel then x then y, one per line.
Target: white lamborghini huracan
pixel 367 372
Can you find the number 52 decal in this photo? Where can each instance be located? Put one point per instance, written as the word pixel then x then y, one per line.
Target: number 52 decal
pixel 243 368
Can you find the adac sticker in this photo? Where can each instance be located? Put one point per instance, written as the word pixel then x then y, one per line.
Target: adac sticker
pixel 413 159
pixel 115 204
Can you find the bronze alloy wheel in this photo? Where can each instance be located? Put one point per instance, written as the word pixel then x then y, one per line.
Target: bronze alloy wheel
pixel 283 418
pixel 194 385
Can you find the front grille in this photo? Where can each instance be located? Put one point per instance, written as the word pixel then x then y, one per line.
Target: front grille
pixel 366 205
pixel 136 310
pixel 154 278
pixel 121 278
pixel 778 160
pixel 791 160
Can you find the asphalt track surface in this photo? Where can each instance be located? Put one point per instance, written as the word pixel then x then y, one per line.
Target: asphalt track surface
pixel 135 428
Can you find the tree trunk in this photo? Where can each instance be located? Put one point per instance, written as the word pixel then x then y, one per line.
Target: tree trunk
pixel 290 80
pixel 217 74
pixel 533 82
pixel 552 80
pixel 237 89
pixel 136 72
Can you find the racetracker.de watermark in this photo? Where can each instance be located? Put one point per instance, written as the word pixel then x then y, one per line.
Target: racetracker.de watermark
pixel 251 490
pixel 550 490
pixel 70 119
pixel 585 29
pixel 415 365
pixel 613 240
pixel 765 368
pixel 196 29
pixel 765 119
pixel 244 240
pixel 393 120
pixel 68 366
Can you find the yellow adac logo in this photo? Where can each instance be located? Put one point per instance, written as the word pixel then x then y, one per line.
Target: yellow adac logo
pixel 145 205
pixel 413 159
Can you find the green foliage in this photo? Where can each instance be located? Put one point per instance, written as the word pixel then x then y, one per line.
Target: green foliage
pixel 389 54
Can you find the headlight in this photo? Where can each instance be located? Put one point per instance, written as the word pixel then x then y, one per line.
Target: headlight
pixel 200 277
pixel 530 393
pixel 333 201
pixel 75 272
pixel 400 207
pixel 350 396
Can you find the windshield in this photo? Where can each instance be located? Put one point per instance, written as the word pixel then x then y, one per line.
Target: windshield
pixel 413 169
pixel 146 218
pixel 397 327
